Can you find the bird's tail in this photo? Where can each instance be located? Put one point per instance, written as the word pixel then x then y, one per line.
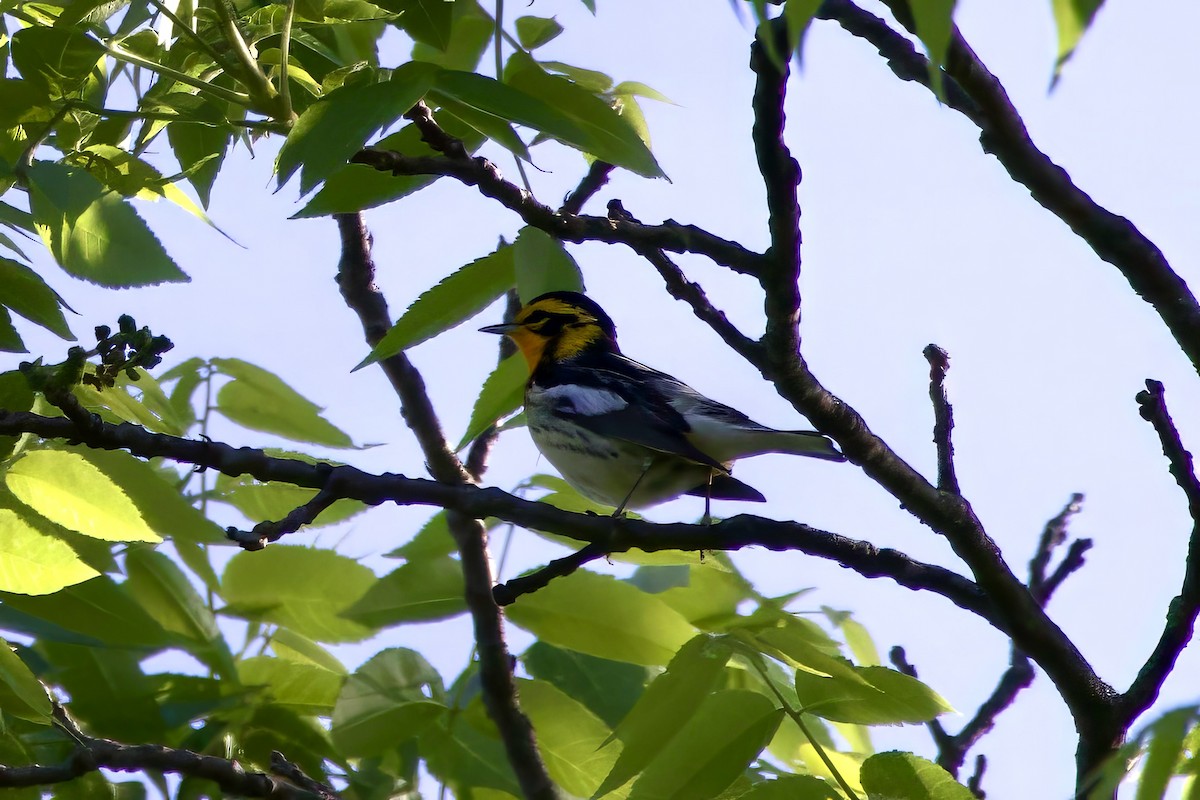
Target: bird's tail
pixel 800 443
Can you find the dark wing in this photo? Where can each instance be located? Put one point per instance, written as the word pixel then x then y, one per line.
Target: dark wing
pixel 727 487
pixel 646 418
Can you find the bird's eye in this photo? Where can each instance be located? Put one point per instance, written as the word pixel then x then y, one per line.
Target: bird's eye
pixel 536 318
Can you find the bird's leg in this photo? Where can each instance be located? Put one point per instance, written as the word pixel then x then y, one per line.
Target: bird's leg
pixel 707 520
pixel 646 469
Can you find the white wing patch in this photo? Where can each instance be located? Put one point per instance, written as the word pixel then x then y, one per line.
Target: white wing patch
pixel 585 400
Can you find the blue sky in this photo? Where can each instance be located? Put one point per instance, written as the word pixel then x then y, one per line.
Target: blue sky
pixel 911 235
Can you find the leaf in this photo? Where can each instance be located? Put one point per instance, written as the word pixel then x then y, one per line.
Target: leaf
pixel 498 129
pixel 798 14
pixel 503 393
pixel 542 264
pixel 69 491
pixel 886 697
pixel 294 647
pixel 1072 18
pixel 934 23
pixel 15 395
pixel 728 731
pixel 159 502
pixel 557 108
pixel 666 706
pixel 857 637
pixel 793 787
pixel 458 297
pixel 200 151
pixel 24 291
pixel 533 32
pixel 300 588
pixel 110 693
pixel 419 591
pixel 337 126
pixel 20 692
pixel 431 541
pixel 389 699
pixel 356 187
pixel 602 616
pixel 426 21
pixel 93 232
pixel 98 609
pixel 575 745
pixel 166 594
pixel 305 688
pixel 32 562
pixel 274 500
pixel 608 688
pixel 1164 751
pixel 260 400
pixel 59 59
pixel 904 776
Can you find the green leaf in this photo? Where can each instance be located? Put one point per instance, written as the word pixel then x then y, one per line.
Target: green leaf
pixel 200 151
pixel 294 647
pixel 110 693
pixel 15 395
pixel 483 123
pixel 158 500
pixel 300 588
pixel 10 340
pixel 336 127
pixel 904 776
pixel 935 23
pixel 666 706
pixel 470 35
pixel 799 14
pixel 727 732
pixel 355 187
pixel 431 541
pixel 708 596
pixel 885 697
pixel 602 616
pixel 503 393
pixel 168 596
pixel 542 264
pixel 468 760
pixel 426 21
pixel 92 232
pixel 793 787
pixel 589 79
pixel 1164 751
pixel 20 693
pixel 389 699
pixel 575 745
pixel 457 298
pixel 306 688
pixel 557 108
pixel 59 59
pixel 1072 18
pixel 32 562
pixel 24 291
pixel 419 591
pixel 608 688
pixel 260 400
pixel 99 610
pixel 857 637
pixel 69 491
pixel 533 32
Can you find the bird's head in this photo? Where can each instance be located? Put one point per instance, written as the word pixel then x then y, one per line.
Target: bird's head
pixel 559 326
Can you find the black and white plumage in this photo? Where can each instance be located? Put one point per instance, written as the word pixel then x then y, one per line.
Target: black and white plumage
pixel 625 434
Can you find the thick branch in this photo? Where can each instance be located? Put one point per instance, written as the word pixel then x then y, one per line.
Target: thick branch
pixel 356 274
pixel 781 175
pixel 1182 612
pixel 473 501
pixel 979 95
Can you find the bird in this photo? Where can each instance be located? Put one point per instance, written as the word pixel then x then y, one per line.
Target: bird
pixel 624 434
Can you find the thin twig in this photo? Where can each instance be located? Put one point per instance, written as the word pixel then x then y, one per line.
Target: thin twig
pixel 264 533
pixel 592 182
pixel 943 418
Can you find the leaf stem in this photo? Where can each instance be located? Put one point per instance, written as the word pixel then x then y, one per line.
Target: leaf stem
pixel 200 41
pixel 229 95
pixel 285 46
pixel 798 718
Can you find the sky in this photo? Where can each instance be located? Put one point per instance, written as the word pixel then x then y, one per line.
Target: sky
pixel 911 235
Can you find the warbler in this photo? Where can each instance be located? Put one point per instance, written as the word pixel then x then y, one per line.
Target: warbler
pixel 622 433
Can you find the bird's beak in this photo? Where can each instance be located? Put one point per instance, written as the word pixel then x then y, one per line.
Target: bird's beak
pixel 504 328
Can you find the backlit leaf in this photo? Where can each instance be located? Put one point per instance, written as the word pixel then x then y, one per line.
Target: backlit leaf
pixel 387 700
pixel 31 562
pixel 1072 18
pixel 24 291
pixel 20 693
pixel 542 264
pixel 69 491
pixel 503 393
pixel 415 592
pixel 458 297
pixel 885 697
pixel 602 616
pixel 260 400
pixel 93 232
pixel 904 776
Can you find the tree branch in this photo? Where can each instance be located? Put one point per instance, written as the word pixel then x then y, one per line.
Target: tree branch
pixel 475 502
pixel 484 175
pixel 1183 609
pixel 94 754
pixel 943 418
pixel 356 272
